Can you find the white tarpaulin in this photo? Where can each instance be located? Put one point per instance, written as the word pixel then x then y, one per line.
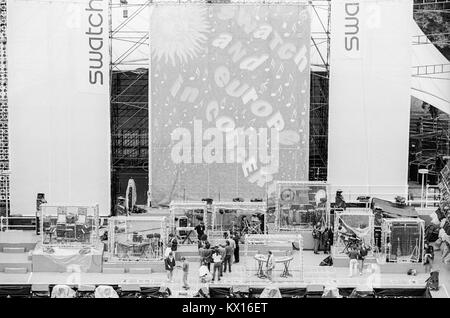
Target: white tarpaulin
pixel 430 72
pixel 370 82
pixel 59 103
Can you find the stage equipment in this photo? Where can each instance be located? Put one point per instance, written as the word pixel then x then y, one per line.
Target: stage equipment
pixel 137 238
pixel 69 226
pixel 185 216
pixel 288 262
pixel 243 217
pixel 351 228
pixel 130 195
pixel 300 205
pixel 403 240
pixel 40 199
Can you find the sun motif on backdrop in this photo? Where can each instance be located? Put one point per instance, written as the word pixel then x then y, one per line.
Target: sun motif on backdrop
pixel 178 32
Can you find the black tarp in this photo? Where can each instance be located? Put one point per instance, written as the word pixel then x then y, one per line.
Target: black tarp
pixel 255 292
pixel 292 292
pixel 13 291
pixel 219 292
pixel 345 292
pixel 400 292
pixel 393 210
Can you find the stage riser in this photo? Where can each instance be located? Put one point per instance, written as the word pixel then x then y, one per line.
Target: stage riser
pixel 156 267
pixel 385 268
pixel 345 261
pixel 401 268
pixel 15 261
pixel 26 246
pixel 26 265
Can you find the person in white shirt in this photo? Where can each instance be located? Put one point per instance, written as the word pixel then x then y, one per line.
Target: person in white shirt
pixel 270 265
pixel 217 260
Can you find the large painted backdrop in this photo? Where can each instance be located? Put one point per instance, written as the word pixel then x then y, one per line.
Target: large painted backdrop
pixel 229 99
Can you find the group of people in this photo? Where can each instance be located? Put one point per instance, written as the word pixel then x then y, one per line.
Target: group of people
pixel 220 256
pixel 323 237
pixel 357 255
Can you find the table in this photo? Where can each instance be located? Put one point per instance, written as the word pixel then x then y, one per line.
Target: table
pixel 286 260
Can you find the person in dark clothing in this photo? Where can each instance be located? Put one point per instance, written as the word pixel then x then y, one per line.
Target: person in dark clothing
pixel 236 248
pixel 200 229
pixel 339 202
pixel 428 257
pixel 228 254
pixel 173 242
pixel 208 255
pixel 327 237
pixel 169 263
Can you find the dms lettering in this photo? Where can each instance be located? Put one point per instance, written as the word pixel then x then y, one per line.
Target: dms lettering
pixel 95 34
pixel 351 26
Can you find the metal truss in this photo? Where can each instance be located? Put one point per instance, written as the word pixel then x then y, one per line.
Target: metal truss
pixel 129 94
pixel 4 139
pixel 318 134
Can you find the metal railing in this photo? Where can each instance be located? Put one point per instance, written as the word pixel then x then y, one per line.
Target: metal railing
pixel 7 225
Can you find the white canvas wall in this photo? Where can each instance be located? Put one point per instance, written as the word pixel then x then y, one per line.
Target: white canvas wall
pixel 370 96
pixel 59 121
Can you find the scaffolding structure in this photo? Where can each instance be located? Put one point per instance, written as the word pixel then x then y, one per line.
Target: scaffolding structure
pixel 429 127
pixel 128 98
pixel 4 132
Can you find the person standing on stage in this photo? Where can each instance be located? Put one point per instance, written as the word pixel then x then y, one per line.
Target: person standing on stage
pixel 228 255
pixel 327 236
pixel 173 243
pixel 270 265
pixel 363 251
pixel 208 255
pixel 353 264
pixel 222 251
pixel 170 265
pixel 236 247
pixel 428 257
pixel 230 239
pixel 185 267
pixel 316 236
pixel 120 209
pixel 217 259
pixel 200 229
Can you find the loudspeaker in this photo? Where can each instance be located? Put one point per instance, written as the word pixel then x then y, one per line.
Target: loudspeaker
pixel 433 281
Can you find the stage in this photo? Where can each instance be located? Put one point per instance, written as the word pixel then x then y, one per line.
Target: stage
pixel 313 275
pixel 68 259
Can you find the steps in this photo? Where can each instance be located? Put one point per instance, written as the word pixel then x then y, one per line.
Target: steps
pixel 15 262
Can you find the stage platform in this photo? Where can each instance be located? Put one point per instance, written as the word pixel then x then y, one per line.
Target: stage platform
pixel 312 274
pixel 15 262
pixel 344 261
pixel 143 266
pixel 18 239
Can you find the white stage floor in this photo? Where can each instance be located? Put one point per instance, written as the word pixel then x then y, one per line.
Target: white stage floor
pixel 313 274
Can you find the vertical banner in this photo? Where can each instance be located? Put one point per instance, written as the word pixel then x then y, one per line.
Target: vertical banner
pixel 229 99
pixel 58 57
pixel 370 80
